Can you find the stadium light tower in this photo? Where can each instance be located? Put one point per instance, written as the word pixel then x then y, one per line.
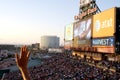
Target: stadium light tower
pixel 87 8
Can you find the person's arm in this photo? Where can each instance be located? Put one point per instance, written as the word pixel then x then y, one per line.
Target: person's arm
pixel 22 62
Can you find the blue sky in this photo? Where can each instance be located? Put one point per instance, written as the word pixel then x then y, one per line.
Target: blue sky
pixel 25 21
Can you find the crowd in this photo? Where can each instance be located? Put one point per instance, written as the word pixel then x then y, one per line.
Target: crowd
pixel 7 63
pixel 64 67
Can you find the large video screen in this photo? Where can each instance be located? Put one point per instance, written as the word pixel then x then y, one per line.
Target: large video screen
pixel 82 31
pixel 104 23
pixel 69 32
pixel 104 45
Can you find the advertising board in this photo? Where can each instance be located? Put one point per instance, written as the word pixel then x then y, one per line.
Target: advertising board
pixel 68 44
pixel 69 32
pixel 106 49
pixel 104 24
pixel 104 45
pixel 82 32
pixel 103 42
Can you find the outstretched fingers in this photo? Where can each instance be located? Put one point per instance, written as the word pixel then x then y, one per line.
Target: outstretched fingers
pixel 17 57
pixel 24 52
pixel 28 54
pixel 21 52
pixel 25 49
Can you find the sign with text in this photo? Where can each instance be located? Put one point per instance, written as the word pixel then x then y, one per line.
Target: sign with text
pixel 87 8
pixel 104 24
pixel 104 45
pixel 86 13
pixel 103 42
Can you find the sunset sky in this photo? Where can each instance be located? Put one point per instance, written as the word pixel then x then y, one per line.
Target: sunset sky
pixel 25 21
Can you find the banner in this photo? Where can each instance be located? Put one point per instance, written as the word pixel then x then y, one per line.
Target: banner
pixel 104 24
pixel 103 42
pixel 104 45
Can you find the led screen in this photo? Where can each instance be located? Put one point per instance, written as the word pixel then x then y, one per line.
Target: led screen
pixel 82 32
pixel 69 32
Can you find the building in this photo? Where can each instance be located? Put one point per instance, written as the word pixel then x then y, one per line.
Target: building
pixel 7 47
pixel 35 46
pixel 49 42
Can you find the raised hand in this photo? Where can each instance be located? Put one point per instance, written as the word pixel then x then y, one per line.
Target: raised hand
pixel 22 62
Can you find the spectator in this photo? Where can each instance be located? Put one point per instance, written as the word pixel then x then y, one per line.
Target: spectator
pixel 61 67
pixel 22 62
